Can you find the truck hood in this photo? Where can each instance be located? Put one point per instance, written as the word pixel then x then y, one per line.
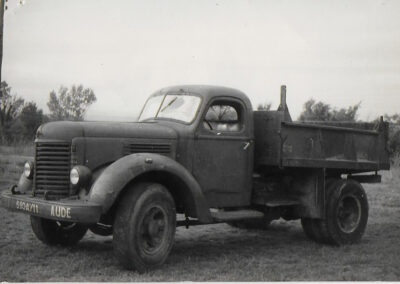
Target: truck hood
pixel 67 130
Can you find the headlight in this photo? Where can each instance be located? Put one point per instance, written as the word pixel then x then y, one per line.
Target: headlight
pixel 80 176
pixel 28 170
pixel 74 176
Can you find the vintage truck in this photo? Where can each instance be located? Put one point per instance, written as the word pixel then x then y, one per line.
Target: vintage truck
pixel 203 153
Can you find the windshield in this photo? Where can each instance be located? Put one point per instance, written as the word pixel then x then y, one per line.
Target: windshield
pixel 177 107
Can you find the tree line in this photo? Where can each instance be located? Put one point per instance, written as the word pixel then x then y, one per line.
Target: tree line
pixel 19 119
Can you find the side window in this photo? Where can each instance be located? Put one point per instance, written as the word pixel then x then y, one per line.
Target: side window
pixel 223 117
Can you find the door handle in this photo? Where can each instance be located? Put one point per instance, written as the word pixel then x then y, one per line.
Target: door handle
pixel 246 145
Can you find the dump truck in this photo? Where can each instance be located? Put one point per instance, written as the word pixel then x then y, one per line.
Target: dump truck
pixel 203 154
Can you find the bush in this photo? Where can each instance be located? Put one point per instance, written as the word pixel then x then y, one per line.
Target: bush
pixel 394 140
pixel 320 111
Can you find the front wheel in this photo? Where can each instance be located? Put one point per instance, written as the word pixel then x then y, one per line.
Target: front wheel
pixel 144 226
pixel 57 232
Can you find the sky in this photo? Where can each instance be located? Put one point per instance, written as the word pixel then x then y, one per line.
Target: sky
pixel 340 52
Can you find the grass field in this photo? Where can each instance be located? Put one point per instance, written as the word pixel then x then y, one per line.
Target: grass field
pixel 210 253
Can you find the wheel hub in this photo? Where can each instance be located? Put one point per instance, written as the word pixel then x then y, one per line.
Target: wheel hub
pixel 349 213
pixel 153 229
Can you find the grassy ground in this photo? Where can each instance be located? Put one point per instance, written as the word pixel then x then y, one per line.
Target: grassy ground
pixel 12 160
pixel 214 252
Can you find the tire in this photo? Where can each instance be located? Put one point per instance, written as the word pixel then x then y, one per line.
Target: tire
pixel 346 215
pixel 256 224
pixel 101 229
pixel 311 228
pixel 144 227
pixel 53 232
pixel 315 229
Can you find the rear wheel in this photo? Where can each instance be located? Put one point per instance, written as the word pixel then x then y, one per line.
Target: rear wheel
pixel 57 232
pixel 144 227
pixel 311 228
pixel 315 229
pixel 346 215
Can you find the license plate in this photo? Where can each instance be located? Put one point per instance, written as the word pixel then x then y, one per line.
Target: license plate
pixel 27 206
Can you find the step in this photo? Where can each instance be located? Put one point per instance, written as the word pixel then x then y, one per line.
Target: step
pixel 276 202
pixel 226 216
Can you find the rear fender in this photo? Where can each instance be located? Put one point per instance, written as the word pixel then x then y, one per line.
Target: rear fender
pixel 119 174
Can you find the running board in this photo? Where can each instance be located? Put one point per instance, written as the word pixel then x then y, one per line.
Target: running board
pixel 227 216
pixel 281 202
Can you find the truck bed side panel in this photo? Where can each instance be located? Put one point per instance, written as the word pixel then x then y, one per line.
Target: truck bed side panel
pixel 287 144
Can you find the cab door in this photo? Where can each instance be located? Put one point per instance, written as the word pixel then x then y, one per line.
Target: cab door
pixel 223 151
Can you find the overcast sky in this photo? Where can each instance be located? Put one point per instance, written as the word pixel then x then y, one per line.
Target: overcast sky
pixel 339 52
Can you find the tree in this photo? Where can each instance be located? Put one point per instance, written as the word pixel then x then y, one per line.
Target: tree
pixel 70 104
pixel 393 119
pixel 2 7
pixel 10 108
pixel 264 106
pixel 349 114
pixel 319 111
pixel 31 118
pixel 394 139
pixel 222 113
pixel 394 134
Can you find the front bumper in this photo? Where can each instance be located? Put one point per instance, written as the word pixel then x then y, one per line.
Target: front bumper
pixel 62 210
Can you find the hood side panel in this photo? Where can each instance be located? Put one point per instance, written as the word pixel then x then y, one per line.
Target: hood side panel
pixel 67 130
pixel 98 152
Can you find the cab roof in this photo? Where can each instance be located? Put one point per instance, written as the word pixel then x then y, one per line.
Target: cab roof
pixel 205 91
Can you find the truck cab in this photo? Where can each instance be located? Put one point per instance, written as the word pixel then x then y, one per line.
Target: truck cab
pixel 215 130
pixel 202 152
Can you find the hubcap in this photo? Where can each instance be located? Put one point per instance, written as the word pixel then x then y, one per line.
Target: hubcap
pixel 349 213
pixel 153 229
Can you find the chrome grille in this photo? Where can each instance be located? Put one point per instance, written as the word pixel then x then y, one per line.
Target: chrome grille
pixel 147 148
pixel 52 169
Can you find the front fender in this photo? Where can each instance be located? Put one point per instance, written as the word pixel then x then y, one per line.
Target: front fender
pixel 115 177
pixel 24 184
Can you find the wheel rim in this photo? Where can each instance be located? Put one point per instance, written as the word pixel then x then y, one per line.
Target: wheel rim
pixel 153 230
pixel 349 213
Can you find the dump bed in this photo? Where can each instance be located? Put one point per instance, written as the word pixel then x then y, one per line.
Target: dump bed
pixel 348 147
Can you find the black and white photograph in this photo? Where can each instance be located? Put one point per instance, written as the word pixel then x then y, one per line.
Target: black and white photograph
pixel 199 140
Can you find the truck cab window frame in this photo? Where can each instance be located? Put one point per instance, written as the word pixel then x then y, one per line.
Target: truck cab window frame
pixel 224 116
pixel 189 103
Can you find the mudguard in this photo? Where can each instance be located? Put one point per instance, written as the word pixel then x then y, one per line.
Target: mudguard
pixel 24 184
pixel 115 177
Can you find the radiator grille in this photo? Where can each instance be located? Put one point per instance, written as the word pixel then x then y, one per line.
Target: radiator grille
pixel 147 148
pixel 52 169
